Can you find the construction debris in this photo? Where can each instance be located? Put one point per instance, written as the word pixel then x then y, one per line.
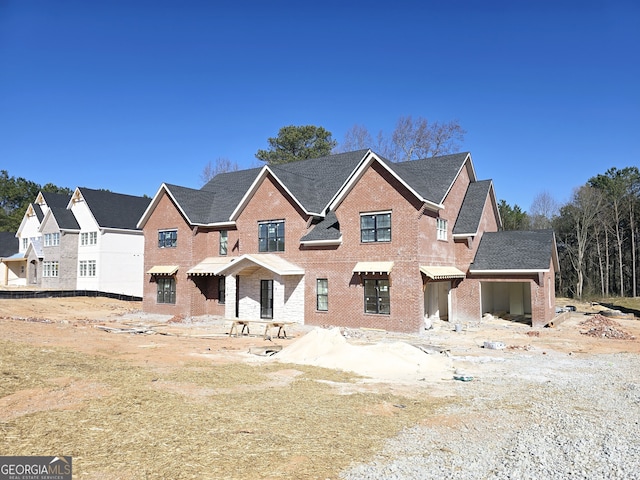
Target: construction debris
pixel 602 327
pixel 137 330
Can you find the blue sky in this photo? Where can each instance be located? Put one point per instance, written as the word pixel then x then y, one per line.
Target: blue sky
pixel 125 95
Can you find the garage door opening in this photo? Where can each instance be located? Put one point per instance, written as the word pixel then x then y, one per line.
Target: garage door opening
pixel 507 300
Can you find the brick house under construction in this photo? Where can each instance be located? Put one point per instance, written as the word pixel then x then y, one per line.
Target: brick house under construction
pixel 350 240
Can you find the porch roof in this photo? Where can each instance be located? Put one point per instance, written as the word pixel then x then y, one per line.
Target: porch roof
pixel 441 272
pixel 16 257
pixel 210 266
pixel 269 261
pixel 163 270
pixel 373 267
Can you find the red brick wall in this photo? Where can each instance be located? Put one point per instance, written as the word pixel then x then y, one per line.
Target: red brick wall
pixel 413 244
pixel 167 217
pixel 376 191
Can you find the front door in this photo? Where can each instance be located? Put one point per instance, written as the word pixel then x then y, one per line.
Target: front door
pixel 266 298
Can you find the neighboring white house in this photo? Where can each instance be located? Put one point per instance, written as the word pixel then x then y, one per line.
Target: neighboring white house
pixel 110 254
pixel 22 268
pixel 86 241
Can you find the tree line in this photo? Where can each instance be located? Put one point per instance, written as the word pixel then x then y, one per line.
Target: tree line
pixel 596 231
pixel 15 196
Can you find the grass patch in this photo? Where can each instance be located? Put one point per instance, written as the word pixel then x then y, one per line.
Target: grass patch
pixel 301 430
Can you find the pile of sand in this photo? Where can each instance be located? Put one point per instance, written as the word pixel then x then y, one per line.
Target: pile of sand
pixel 389 361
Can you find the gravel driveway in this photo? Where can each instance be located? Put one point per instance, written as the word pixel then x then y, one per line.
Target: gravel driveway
pixel 552 416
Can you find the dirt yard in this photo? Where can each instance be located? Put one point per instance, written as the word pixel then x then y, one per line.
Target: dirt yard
pixel 131 396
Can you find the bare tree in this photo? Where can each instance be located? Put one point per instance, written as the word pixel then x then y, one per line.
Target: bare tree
pixel 543 208
pixel 410 140
pixel 582 213
pixel 356 138
pixel 221 165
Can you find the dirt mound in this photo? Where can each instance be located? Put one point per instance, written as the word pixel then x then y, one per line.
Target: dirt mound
pixel 393 361
pixel 603 327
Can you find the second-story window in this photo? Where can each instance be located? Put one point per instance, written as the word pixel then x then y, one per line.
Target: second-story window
pixel 51 239
pixel 441 229
pixel 167 238
pixel 88 238
pixel 271 236
pixel 375 227
pixel 224 239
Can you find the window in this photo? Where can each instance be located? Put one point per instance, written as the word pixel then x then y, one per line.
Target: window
pixel 166 290
pixel 167 238
pixel 375 227
pixel 25 243
pixel 222 289
pixel 88 238
pixel 87 268
pixel 322 294
pixel 271 236
pixel 224 239
pixel 441 228
pixel 50 269
pixel 51 239
pixel 376 296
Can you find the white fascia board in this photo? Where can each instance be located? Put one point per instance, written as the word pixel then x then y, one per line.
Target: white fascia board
pixel 464 235
pixel 508 272
pixel 76 193
pixel 346 186
pixel 44 220
pixel 229 223
pixel 22 223
pixel 321 242
pixel 120 230
pixel 358 172
pixel 494 203
pixel 255 185
pixel 472 176
pixel 154 203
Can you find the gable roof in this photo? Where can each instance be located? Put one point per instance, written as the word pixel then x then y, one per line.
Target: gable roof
pixel 516 251
pixel 51 199
pixel 472 206
pixel 64 218
pixel 113 210
pixel 314 182
pixel 433 177
pixel 316 185
pixel 326 230
pixel 9 244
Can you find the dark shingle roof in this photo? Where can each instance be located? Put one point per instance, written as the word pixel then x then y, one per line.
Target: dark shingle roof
pixel 56 199
pixel 327 228
pixel 115 210
pixel 196 204
pixel 8 244
pixel 431 177
pixel 515 250
pixel 314 182
pixel 228 190
pixel 471 209
pixel 38 211
pixel 65 219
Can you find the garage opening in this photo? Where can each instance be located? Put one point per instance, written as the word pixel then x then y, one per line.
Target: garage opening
pixel 436 300
pixel 507 300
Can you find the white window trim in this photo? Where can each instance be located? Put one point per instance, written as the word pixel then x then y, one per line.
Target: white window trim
pixel 441 229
